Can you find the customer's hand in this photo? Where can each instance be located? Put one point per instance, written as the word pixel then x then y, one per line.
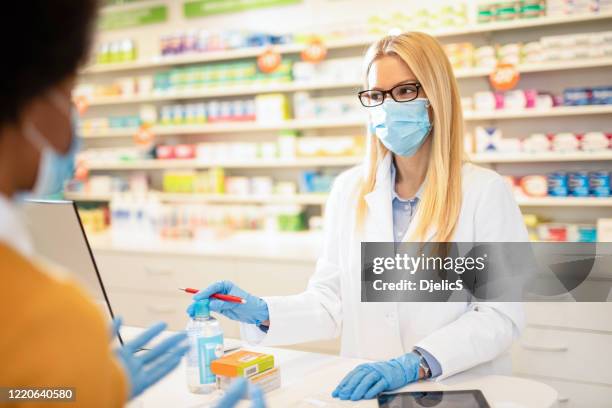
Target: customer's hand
pixel 148 367
pixel 238 391
pixel 254 311
pixel 368 380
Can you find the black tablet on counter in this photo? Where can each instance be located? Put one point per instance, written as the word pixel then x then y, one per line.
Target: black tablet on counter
pixel 438 399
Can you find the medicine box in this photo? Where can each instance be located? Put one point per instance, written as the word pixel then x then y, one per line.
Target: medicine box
pixel 242 363
pixel 268 380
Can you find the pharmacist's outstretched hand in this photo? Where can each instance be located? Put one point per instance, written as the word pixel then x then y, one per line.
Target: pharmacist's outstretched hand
pixel 146 368
pixel 238 391
pixel 370 379
pixel 254 311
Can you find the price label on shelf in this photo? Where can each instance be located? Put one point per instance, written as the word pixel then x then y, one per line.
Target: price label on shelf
pixel 505 77
pixel 144 136
pixel 81 171
pixel 82 104
pixel 315 51
pixel 268 61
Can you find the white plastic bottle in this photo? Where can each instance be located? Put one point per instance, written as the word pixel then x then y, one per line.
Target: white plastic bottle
pixel 205 345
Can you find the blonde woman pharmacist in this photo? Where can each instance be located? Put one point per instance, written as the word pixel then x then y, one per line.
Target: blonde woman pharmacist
pixel 414 185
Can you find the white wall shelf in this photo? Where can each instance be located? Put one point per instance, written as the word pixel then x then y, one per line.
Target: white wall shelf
pixel 220 91
pixel 564 201
pixel 338 44
pixel 539 157
pixel 223 91
pixel 304 199
pixel 321 198
pixel 302 124
pixel 539 113
pixel 248 164
pixel 231 127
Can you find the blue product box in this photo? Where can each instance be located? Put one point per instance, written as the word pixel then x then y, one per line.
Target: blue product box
pixel 557 184
pixel 577 96
pixel 578 184
pixel 602 95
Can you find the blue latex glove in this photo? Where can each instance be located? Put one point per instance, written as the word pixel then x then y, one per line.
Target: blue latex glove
pixel 254 311
pixel 368 380
pixel 237 392
pixel 148 367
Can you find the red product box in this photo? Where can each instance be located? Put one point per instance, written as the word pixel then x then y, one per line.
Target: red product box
pixel 184 151
pixel 164 152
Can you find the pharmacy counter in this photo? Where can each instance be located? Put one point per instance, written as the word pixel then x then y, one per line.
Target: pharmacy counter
pixel 309 378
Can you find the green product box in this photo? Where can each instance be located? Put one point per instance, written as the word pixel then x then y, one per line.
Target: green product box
pixel 292 222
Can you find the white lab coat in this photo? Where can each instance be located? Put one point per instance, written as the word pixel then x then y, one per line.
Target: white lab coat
pixel 459 335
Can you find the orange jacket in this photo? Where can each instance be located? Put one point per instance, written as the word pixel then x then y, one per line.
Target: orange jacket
pixel 52 335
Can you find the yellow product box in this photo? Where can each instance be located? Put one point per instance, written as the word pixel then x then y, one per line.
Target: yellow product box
pixel 268 380
pixel 242 363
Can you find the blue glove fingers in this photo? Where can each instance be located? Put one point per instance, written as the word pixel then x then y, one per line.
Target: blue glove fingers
pixel 379 387
pixel 350 385
pixel 364 386
pixel 257 398
pixel 167 345
pixel 115 326
pixel 217 287
pixel 345 380
pixel 164 367
pixel 220 306
pixel 146 336
pixel 191 310
pixel 234 394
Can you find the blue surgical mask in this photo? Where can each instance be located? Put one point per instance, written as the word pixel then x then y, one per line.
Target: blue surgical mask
pixel 401 126
pixel 54 169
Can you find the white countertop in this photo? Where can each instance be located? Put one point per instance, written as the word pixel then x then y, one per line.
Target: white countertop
pixel 290 246
pixel 309 378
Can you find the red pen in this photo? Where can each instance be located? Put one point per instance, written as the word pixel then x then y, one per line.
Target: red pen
pixel 220 296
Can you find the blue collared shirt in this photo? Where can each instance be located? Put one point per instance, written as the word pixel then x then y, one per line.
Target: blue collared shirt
pixel 403 214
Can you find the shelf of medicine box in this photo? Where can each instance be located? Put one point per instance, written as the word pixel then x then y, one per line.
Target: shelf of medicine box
pixel 302 198
pixel 538 113
pixel 300 246
pixel 221 90
pixel 301 124
pixel 524 157
pixel 235 90
pixel 364 41
pixel 544 66
pixel 564 201
pixel 233 127
pixel 297 162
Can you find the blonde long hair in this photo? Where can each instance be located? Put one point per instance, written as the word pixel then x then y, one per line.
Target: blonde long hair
pixel 441 201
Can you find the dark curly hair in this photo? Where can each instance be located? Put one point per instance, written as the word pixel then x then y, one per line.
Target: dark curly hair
pixel 43 43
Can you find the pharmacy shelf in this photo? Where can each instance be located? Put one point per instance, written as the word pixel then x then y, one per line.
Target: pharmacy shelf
pixel 304 124
pixel 320 199
pixel 564 201
pixel 222 91
pixel 304 199
pixel 539 67
pixel 332 44
pixel 248 164
pixel 539 113
pixel 540 157
pixel 232 127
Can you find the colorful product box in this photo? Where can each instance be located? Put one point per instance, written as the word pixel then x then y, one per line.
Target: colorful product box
pixel 242 363
pixel 268 380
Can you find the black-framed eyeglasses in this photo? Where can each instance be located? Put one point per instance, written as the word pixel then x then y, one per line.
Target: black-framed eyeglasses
pixel 399 93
